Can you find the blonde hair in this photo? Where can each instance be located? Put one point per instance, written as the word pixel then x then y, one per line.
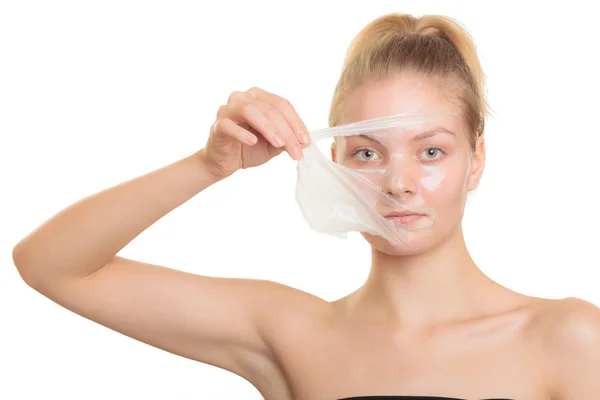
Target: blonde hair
pixel 437 46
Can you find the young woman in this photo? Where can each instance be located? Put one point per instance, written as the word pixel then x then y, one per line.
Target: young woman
pixel 427 322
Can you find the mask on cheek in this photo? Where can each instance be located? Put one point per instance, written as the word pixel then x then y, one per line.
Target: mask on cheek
pixel 379 181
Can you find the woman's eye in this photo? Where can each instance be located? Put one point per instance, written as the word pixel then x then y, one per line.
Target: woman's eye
pixel 366 155
pixel 431 153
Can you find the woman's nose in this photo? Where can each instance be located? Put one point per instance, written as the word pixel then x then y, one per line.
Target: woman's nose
pixel 399 180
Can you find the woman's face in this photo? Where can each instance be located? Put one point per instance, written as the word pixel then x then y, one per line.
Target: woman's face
pixel 428 174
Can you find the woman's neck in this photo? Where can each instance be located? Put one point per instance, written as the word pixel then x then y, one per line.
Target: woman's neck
pixel 438 286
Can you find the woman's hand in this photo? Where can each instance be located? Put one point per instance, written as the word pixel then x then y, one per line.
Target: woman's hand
pixel 252 128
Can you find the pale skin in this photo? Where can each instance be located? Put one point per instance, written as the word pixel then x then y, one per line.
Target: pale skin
pixel 428 323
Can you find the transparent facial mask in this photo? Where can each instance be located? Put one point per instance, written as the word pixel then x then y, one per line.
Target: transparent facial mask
pixel 378 183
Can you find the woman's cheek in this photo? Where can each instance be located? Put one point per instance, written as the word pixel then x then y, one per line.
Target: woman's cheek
pixel 441 187
pixel 433 178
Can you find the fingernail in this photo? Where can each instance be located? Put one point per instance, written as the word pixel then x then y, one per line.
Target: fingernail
pixel 278 140
pixel 296 153
pixel 251 139
pixel 305 137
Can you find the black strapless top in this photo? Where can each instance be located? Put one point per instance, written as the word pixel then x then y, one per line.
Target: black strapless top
pixel 411 398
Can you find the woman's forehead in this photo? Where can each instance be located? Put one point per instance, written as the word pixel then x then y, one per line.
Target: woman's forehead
pixel 403 94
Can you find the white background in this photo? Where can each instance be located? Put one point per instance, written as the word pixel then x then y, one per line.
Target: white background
pixel 96 93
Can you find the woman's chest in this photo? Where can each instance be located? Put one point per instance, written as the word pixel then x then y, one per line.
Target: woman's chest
pixel 321 364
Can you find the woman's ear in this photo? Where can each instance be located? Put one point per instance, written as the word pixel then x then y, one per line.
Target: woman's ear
pixel 333 152
pixel 477 163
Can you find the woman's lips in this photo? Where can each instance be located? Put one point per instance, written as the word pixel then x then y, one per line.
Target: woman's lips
pixel 404 217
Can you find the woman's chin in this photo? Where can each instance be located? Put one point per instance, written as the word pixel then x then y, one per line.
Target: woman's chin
pixel 406 245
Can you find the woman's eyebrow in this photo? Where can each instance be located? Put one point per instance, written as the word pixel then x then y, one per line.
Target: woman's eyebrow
pixel 420 136
pixel 368 137
pixel 430 133
pixel 364 136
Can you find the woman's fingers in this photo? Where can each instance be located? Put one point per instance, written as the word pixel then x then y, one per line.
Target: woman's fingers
pixel 227 127
pixel 292 146
pixel 242 112
pixel 286 109
pixel 255 117
pixel 268 115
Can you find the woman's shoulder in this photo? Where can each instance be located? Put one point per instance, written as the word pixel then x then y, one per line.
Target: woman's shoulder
pixel 569 321
pixel 567 333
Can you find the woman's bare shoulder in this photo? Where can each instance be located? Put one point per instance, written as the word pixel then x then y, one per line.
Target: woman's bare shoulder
pixel 295 308
pixel 567 320
pixel 567 332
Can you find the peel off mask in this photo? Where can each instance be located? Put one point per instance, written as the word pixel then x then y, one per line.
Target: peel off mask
pixel 377 182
